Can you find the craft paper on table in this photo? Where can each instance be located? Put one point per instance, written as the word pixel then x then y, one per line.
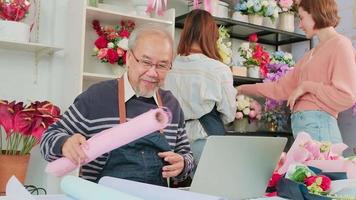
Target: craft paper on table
pixel 152 192
pixel 115 137
pixel 81 189
pixel 298 153
pixel 16 191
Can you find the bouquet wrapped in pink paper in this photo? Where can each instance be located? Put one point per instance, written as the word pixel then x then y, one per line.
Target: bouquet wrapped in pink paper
pixel 323 155
pixel 115 137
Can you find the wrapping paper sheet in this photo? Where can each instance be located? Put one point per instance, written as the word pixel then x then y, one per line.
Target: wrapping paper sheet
pixel 115 137
pixel 80 189
pixel 152 192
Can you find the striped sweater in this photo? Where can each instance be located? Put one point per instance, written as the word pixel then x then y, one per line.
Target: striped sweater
pixel 96 109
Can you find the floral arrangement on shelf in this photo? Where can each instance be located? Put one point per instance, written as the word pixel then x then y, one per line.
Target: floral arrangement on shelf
pixel 14 10
pixel 24 125
pixel 302 167
pixel 287 6
pixel 275 111
pixel 264 8
pixel 254 55
pixel 247 108
pixel 224 45
pixel 112 44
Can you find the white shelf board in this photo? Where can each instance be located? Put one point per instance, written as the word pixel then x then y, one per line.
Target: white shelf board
pixel 29 47
pixel 93 77
pixel 113 17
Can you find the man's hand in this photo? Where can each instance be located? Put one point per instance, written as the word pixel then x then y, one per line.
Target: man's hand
pixel 176 162
pixel 72 148
pixel 296 94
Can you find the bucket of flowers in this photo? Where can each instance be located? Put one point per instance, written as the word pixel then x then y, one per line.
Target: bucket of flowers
pixel 248 112
pixel 21 128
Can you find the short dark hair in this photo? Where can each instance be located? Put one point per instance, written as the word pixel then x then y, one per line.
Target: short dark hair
pixel 199 27
pixel 324 12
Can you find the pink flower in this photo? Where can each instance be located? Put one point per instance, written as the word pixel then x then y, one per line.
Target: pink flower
pixel 120 52
pixel 102 53
pixel 322 181
pixel 239 115
pixel 112 56
pixel 101 42
pixel 253 37
pixel 252 114
pixel 285 4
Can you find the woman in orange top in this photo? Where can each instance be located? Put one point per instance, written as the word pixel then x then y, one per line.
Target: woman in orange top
pixel 323 82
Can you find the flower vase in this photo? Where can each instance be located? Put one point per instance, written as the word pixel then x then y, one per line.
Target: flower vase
pixel 14 31
pixel 118 70
pixel 241 125
pixel 12 165
pixel 253 71
pixel 255 19
pixel 286 21
pixel 239 17
pixel 268 22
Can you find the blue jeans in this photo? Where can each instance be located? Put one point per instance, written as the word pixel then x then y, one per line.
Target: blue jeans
pixel 320 125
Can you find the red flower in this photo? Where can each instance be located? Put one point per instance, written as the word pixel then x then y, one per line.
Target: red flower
pixel 253 37
pixel 325 181
pixel 124 33
pixel 112 56
pixel 274 179
pixel 101 42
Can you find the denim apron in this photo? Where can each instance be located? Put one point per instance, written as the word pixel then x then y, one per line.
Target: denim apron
pixel 138 160
pixel 212 123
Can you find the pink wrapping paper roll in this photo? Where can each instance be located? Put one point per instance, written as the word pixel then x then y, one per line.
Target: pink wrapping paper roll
pixel 115 137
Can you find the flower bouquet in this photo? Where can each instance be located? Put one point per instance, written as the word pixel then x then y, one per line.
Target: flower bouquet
pixel 112 42
pixel 248 111
pixel 253 55
pixel 322 158
pixel 224 46
pixel 14 10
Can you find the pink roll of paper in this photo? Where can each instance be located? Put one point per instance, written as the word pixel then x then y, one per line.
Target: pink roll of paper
pixel 115 137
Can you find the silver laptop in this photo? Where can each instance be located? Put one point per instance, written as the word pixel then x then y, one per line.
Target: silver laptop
pixel 237 167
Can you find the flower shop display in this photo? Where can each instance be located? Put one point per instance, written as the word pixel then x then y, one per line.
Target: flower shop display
pixel 248 111
pixel 271 13
pixel 224 45
pixel 12 13
pixel 112 44
pixel 257 9
pixel 287 11
pixel 22 128
pixel 255 58
pixel 276 112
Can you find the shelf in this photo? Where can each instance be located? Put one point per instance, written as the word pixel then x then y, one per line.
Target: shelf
pixel 112 17
pixel 239 80
pixel 241 30
pixel 36 48
pixel 92 77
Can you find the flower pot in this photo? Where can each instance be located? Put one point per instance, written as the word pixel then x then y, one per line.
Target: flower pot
pixel 239 17
pixel 255 19
pixel 118 70
pixel 14 31
pixel 286 21
pixel 268 22
pixel 12 165
pixel 253 71
pixel 241 125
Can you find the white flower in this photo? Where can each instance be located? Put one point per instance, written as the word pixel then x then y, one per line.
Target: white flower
pixel 273 3
pixel 123 44
pixel 248 54
pixel 96 50
pixel 264 3
pixel 275 13
pixel 288 56
pixel 249 3
pixel 246 111
pixel 111 45
pixel 245 46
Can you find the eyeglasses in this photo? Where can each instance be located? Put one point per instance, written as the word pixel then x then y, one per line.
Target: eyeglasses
pixel 147 64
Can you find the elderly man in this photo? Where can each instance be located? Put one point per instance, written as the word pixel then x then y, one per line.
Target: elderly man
pixel 150 159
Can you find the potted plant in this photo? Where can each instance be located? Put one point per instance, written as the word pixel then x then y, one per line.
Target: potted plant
pixel 254 9
pixel 112 44
pixel 287 11
pixel 12 13
pixel 255 58
pixel 270 14
pixel 21 128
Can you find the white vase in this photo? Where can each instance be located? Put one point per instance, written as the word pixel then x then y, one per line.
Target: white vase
pixel 118 70
pixel 268 22
pixel 239 17
pixel 253 71
pixel 286 21
pixel 255 19
pixel 14 31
